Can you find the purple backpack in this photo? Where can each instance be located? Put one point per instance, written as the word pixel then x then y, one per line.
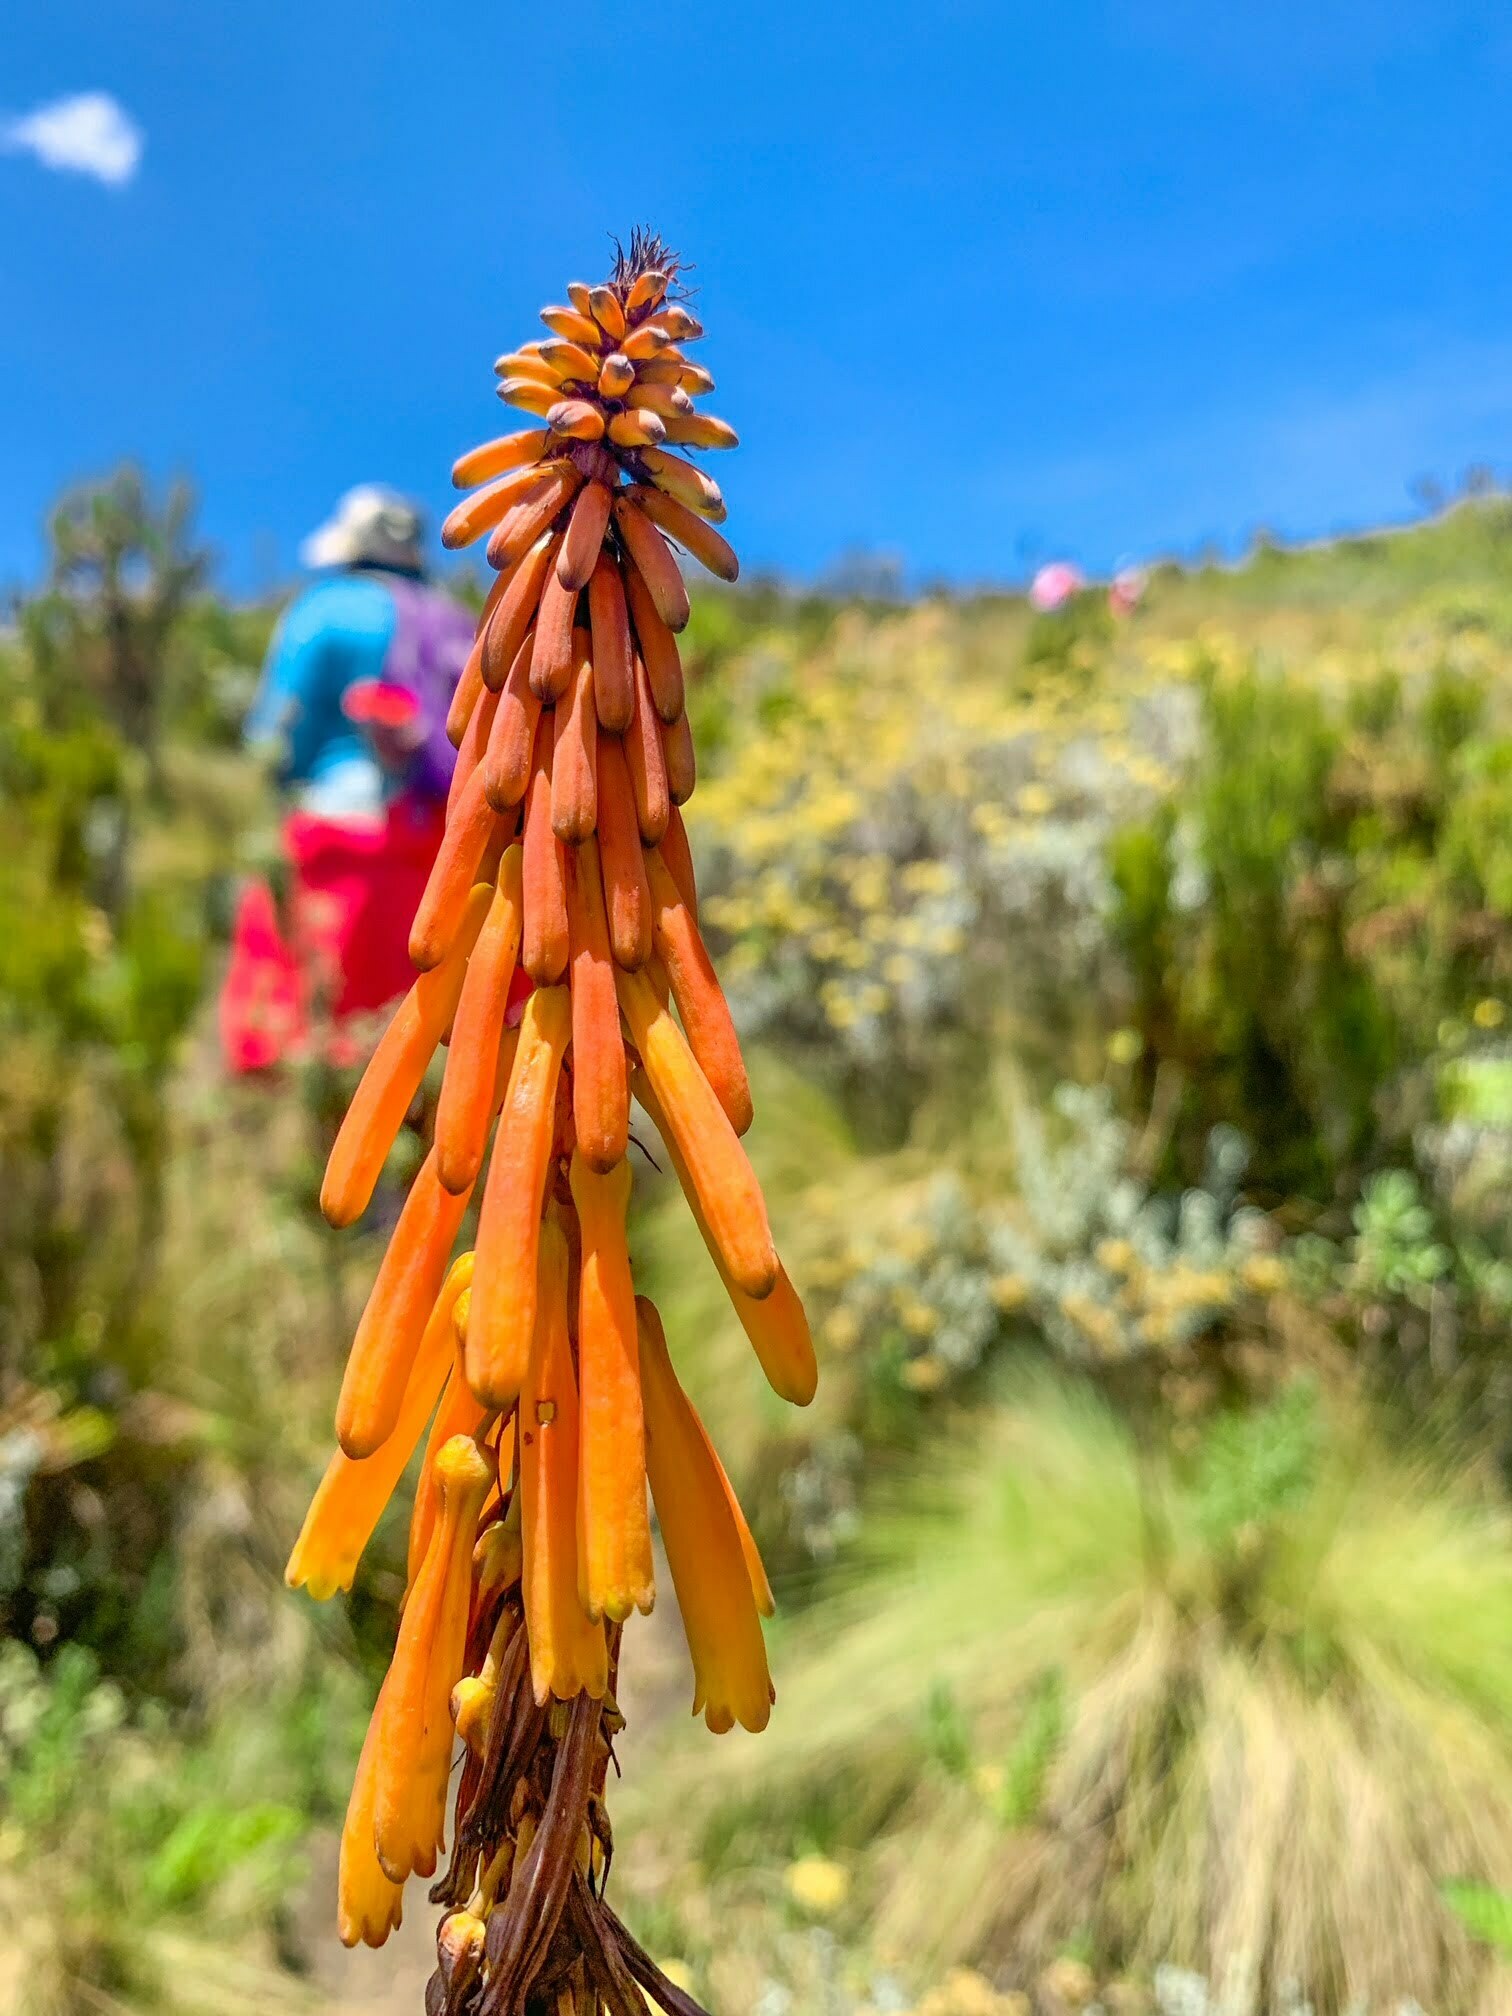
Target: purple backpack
pixel 431 640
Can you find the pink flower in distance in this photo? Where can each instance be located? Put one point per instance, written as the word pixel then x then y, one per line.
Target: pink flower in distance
pixel 1054 585
pixel 1126 591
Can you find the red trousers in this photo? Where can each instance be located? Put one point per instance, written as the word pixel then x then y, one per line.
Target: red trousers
pixel 341 951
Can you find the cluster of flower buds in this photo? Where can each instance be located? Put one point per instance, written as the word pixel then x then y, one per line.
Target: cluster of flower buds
pixel 562 965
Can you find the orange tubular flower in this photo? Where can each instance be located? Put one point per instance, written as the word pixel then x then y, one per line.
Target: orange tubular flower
pixel 776 1324
pixel 511 737
pixel 464 1110
pixel 678 856
pixel 627 886
pixel 614 1536
pixel 369 1905
pixel 559 939
pixel 473 746
pixel 460 1412
pixel 501 1320
pixel 600 1081
pixel 574 755
pixel 729 1196
pixel 393 1075
pixel 391 1326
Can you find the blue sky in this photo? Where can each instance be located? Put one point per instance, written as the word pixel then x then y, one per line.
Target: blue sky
pixel 984 283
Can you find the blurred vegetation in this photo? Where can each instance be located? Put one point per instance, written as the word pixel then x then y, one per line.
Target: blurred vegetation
pixel 1127 999
pixel 1132 1702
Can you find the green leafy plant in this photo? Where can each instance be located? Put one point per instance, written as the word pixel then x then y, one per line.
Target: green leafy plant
pixel 1486 1913
pixel 1394 1251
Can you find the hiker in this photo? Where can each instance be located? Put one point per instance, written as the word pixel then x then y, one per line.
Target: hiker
pixel 353 706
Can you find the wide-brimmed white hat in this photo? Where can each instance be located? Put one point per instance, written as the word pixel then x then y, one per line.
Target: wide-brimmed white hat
pixel 371 526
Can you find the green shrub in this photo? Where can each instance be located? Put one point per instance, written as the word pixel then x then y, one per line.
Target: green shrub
pixel 126 1838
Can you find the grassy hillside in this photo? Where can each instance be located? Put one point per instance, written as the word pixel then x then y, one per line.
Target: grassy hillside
pixel 1128 1006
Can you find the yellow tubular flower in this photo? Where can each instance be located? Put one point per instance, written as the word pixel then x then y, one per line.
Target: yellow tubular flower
pixel 731 1682
pixel 368 1905
pixel 409 1738
pixel 351 1497
pixel 567 1650
pixel 761 1588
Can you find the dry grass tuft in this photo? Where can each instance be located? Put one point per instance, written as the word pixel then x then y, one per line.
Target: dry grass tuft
pixel 1245 1712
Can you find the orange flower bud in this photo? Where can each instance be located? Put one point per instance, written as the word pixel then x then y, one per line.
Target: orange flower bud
pixel 710 548
pixel 475 738
pixel 658 647
pixel 723 1180
pixel 585 536
pixel 528 516
pixel 517 607
pixel 465 695
pixel 544 946
pixel 495 458
pixel 506 767
pixel 613 665
pixel 499 1555
pixel 645 293
pixel 551 659
pixel 480 512
pixel 655 566
pixel 699 996
pixel 678 856
pixel 648 767
pixel 627 890
pixel 600 1077
pixel 677 754
pixel 574 756
pixel 679 477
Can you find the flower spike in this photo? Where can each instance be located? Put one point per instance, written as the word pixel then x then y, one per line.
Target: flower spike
pixel 562 962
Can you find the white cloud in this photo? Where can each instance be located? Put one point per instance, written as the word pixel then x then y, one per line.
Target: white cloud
pixel 88 134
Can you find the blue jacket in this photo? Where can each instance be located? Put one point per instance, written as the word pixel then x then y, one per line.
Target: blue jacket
pixel 344 629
